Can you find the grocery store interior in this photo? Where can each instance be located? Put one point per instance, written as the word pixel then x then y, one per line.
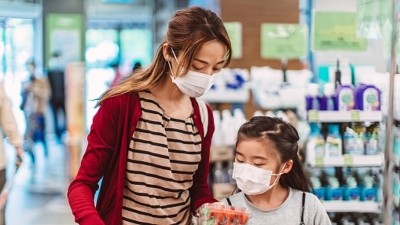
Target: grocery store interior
pixel 330 68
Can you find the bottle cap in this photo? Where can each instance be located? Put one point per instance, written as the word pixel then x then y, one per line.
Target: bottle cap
pixel 329 89
pixel 313 89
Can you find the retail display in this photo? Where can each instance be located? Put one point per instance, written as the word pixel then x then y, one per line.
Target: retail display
pixel 343 152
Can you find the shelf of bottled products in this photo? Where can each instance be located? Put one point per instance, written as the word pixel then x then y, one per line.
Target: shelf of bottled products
pixel 346 160
pixel 222 153
pixel 344 116
pixel 352 206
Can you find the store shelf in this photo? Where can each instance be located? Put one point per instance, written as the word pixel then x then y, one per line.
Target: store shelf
pixel 278 99
pixel 347 160
pixel 344 116
pixel 221 153
pixel 222 190
pixel 227 96
pixel 352 206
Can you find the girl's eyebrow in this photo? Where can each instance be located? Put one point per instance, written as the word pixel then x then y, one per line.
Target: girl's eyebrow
pixel 260 157
pixel 205 62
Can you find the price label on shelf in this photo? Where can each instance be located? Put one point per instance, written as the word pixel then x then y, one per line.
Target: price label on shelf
pixel 313 115
pixel 348 160
pixel 319 161
pixel 355 115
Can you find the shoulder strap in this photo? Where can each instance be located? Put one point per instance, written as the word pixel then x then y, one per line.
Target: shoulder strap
pixel 203 115
pixel 229 201
pixel 302 208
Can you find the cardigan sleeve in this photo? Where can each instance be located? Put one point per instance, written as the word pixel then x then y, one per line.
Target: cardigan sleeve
pixel 200 191
pixel 101 142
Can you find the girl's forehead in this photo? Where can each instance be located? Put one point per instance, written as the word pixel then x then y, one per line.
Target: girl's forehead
pixel 255 147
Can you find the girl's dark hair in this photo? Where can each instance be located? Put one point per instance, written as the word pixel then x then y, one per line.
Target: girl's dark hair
pixel 285 137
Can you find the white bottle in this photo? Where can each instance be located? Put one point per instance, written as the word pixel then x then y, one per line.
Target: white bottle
pixel 329 91
pixel 227 122
pixel 217 139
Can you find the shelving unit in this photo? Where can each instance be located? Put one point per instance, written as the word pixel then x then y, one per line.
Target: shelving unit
pixel 221 154
pixel 344 116
pixel 346 160
pixel 352 206
pixel 227 96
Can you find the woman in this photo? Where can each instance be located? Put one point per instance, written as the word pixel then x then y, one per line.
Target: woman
pixel 267 170
pixel 9 128
pixel 146 140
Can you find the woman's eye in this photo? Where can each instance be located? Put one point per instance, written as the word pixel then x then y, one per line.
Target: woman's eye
pixel 216 70
pixel 196 68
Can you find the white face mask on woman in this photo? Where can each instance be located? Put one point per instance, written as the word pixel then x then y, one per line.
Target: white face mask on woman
pixel 194 84
pixel 253 180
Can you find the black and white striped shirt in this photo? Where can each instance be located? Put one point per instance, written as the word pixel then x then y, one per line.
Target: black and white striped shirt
pixel 163 155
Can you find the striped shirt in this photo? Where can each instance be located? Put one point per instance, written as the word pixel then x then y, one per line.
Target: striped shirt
pixel 163 155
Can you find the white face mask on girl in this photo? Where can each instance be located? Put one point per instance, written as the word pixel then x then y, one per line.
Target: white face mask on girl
pixel 194 84
pixel 253 180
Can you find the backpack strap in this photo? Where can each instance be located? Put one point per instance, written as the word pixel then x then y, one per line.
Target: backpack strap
pixel 302 208
pixel 204 116
pixel 229 201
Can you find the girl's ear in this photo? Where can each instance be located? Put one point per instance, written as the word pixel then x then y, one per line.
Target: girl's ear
pixel 166 54
pixel 288 166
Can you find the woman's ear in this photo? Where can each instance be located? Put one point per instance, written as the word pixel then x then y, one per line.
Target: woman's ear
pixel 166 54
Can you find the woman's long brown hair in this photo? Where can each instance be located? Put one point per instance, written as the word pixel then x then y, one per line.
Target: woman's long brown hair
pixel 187 31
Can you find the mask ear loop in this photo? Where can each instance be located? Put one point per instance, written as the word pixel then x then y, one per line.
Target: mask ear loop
pixel 173 53
pixel 170 69
pixel 169 64
pixel 278 175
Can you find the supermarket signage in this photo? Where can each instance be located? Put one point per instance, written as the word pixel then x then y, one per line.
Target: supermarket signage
pixel 374 18
pixel 234 30
pixel 283 41
pixel 336 31
pixel 64 33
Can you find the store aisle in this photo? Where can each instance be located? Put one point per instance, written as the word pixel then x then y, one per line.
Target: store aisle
pixel 38 194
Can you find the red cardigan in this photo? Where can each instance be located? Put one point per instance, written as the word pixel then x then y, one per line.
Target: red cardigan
pixel 105 157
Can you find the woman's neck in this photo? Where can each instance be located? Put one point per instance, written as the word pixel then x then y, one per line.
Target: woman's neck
pixel 172 101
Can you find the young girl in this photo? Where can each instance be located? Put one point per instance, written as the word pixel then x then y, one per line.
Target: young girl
pixel 269 174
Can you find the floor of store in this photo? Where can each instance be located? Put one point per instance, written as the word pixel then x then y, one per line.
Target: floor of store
pixel 38 191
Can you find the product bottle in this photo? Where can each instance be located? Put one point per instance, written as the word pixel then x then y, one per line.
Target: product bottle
pixel 219 175
pixel 344 100
pixel 312 97
pixel 218 138
pixel 396 141
pixel 396 189
pixel 334 191
pixel 333 141
pixel 318 190
pixel 351 192
pixel 368 97
pixel 351 142
pixel 327 100
pixel 368 192
pixel 316 142
pixel 338 74
pixel 371 140
pixel 359 128
pixel 227 123
pixel 230 173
